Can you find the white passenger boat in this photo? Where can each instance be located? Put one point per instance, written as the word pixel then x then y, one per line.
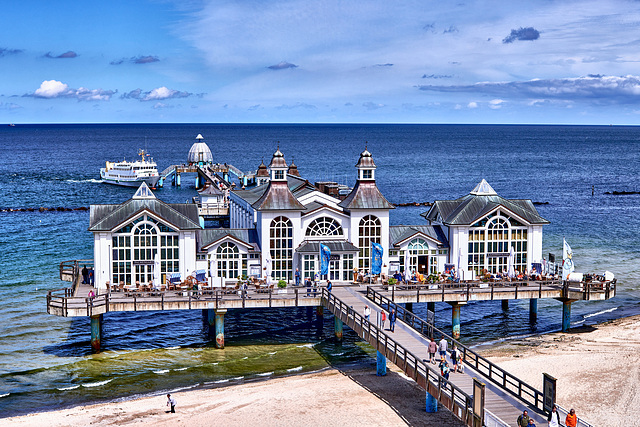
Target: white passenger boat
pixel 131 174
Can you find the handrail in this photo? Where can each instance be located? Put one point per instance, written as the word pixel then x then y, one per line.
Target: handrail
pixel 456 400
pixel 493 372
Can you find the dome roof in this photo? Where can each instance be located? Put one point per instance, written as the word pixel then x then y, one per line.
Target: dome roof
pixel 365 160
pixel 200 152
pixel 262 170
pixel 278 160
pixel 293 169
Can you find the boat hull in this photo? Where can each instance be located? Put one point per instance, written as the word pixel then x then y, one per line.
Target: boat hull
pixel 151 181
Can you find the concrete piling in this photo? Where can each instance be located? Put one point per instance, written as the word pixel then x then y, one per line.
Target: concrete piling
pixel 381 365
pixel 96 333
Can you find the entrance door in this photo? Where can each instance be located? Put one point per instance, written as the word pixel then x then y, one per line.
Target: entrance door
pixel 334 270
pixel 144 273
pixel 423 264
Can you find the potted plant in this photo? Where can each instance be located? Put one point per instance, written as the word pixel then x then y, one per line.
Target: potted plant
pixel 282 287
pixel 392 282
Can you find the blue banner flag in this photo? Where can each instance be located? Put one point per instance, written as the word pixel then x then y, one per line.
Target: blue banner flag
pixel 325 256
pixel 376 258
pixel 567 260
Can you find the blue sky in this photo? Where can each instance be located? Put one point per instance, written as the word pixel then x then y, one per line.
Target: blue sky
pixel 329 61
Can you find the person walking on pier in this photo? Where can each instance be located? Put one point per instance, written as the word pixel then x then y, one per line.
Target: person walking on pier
pixel 329 286
pixel 297 277
pixel 523 419
pixel 572 419
pixel 367 313
pixel 554 417
pixel 433 347
pixel 392 319
pixel 442 347
pixel 383 318
pixel 85 275
pixel 171 402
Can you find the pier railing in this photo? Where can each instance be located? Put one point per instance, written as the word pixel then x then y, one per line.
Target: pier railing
pixel 482 365
pixel 459 403
pixel 65 304
pixel 490 370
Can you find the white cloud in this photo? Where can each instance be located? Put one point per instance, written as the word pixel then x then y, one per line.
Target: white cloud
pixel 51 89
pixel 56 89
pixel 472 104
pixel 494 104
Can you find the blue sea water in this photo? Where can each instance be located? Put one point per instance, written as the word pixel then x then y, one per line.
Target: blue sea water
pixel 46 363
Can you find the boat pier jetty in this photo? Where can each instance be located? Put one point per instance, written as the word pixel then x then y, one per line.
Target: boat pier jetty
pixel 503 396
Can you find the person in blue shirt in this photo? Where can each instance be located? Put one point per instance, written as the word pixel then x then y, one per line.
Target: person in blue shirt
pixel 297 277
pixel 329 286
pixel 392 320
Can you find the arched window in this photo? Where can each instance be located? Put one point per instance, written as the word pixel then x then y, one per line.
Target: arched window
pixel 281 246
pixel 324 226
pixel 228 258
pixel 490 240
pixel 135 245
pixel 370 230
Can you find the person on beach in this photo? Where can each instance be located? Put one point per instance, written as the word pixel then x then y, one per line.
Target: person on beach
pixel 383 318
pixel 442 347
pixel 554 417
pixel 572 419
pixel 297 277
pixel 523 419
pixel 392 319
pixel 433 347
pixel 367 312
pixel 171 402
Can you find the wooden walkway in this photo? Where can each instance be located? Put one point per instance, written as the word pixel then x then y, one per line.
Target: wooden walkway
pixel 497 401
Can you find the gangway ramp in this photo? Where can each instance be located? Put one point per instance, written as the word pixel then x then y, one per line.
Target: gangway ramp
pixel 499 403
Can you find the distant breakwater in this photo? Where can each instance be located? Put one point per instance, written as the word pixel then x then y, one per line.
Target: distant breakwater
pixel 43 209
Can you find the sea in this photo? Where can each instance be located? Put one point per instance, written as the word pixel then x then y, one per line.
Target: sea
pixel 46 361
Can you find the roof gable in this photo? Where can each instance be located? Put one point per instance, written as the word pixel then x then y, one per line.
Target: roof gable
pixel 365 195
pixel 182 216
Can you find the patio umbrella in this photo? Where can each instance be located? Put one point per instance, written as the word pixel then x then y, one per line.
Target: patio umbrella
pixel 510 270
pixel 458 268
pixel 156 271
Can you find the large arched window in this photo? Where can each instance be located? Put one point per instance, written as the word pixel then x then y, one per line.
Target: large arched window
pixel 324 226
pixel 281 246
pixel 490 240
pixel 228 258
pixel 135 245
pixel 370 230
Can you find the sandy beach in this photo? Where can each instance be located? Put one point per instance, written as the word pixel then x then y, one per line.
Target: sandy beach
pixel 596 367
pixel 327 398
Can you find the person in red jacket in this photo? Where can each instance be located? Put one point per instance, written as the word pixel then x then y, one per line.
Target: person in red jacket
pixel 572 419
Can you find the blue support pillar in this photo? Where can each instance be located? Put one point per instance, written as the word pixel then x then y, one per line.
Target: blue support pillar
pixel 197 181
pixel 160 183
pixel 566 315
pixel 432 404
pixel 381 365
pixel 96 332
pixel 244 181
pixel 455 319
pixel 338 328
pixel 178 179
pixel 220 327
pixel 533 310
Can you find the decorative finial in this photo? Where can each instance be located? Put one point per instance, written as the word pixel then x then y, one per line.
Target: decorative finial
pixel 366 145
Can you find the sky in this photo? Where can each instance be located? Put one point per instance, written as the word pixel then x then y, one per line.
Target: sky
pixel 329 61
